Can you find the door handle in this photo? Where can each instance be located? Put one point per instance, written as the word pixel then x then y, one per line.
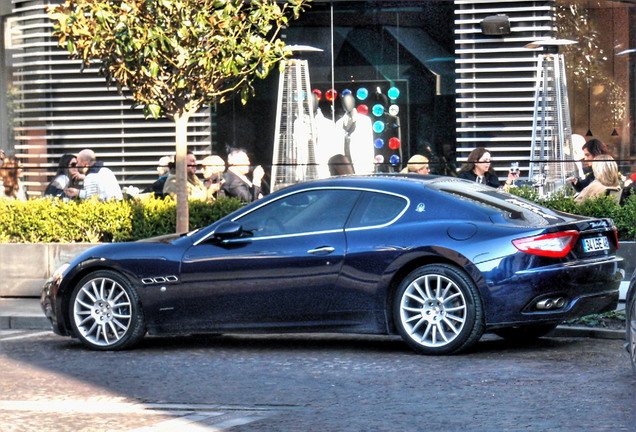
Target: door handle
pixel 324 250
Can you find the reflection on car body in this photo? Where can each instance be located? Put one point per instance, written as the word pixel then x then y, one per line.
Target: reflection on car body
pixel 437 260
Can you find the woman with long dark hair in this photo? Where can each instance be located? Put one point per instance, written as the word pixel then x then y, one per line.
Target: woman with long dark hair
pixel 478 168
pixel 65 177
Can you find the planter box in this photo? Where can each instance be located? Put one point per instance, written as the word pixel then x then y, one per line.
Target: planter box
pixel 26 266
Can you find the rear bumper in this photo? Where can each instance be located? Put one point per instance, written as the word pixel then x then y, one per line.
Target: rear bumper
pixel 586 288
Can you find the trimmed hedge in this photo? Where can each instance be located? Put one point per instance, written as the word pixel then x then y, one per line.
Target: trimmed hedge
pixel 91 221
pixel 53 221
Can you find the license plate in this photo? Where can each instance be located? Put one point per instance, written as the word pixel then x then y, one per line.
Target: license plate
pixel 595 244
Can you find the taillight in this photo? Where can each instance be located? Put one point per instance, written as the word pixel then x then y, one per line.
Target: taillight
pixel 555 245
pixel 615 237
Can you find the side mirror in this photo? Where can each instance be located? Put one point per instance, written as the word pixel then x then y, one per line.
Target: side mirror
pixel 228 230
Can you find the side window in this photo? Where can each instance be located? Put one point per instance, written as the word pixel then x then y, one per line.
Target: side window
pixel 376 209
pixel 309 211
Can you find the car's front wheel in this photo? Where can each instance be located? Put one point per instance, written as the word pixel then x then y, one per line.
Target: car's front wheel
pixel 631 329
pixel 105 312
pixel 438 310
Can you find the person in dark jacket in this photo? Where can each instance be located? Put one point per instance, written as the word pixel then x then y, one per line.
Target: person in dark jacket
pixel 478 168
pixel 66 176
pixel 236 183
pixel 163 171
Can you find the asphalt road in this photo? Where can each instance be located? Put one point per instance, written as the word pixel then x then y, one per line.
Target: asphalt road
pixel 313 383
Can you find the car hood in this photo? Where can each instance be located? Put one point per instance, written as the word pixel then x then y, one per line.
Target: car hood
pixel 168 238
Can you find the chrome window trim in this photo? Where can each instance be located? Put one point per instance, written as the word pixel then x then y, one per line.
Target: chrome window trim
pixel 361 189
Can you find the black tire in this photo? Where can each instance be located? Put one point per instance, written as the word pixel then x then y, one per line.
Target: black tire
pixel 437 310
pixel 524 333
pixel 630 332
pixel 105 312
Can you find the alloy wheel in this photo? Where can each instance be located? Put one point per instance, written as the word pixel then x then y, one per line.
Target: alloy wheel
pixel 433 310
pixel 102 311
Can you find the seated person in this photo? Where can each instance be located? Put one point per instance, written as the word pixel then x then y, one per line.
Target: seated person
pixel 606 180
pixel 196 188
pixel 236 183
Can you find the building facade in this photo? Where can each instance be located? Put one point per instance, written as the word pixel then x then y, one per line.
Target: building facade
pixel 428 74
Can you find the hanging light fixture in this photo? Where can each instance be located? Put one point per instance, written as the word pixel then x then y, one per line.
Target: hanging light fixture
pixel 614 132
pixel 589 107
pixel 589 112
pixel 589 93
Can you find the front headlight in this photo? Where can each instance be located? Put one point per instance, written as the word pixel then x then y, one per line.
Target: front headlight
pixel 59 272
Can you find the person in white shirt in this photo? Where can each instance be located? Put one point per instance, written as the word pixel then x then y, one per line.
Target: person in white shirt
pixel 99 182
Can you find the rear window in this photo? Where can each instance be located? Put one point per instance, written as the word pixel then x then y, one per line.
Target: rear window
pixel 375 209
pixel 511 208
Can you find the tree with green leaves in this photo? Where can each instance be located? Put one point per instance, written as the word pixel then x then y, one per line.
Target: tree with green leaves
pixel 174 56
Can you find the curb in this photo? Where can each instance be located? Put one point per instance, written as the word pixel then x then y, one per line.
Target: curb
pixel 589 332
pixel 42 323
pixel 24 323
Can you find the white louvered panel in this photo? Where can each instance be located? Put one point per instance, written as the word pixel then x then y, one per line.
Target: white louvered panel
pixel 493 60
pixel 490 128
pixel 473 120
pixel 497 100
pixel 61 109
pixel 484 141
pixel 496 77
pixel 494 109
pixel 509 71
pixel 497 90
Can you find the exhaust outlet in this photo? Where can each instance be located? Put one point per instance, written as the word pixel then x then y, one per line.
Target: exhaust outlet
pixel 545 304
pixel 550 303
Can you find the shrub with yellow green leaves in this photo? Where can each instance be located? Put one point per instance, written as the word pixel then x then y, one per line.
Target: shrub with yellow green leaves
pixel 53 220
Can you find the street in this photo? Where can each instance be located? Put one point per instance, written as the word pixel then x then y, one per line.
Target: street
pixel 307 383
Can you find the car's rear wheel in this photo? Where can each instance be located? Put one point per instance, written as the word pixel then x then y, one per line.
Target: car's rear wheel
pixel 524 333
pixel 105 312
pixel 631 330
pixel 438 310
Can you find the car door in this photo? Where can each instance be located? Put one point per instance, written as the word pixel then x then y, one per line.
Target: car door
pixel 283 270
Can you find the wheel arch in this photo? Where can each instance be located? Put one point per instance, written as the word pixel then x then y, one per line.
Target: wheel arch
pixel 405 268
pixel 85 268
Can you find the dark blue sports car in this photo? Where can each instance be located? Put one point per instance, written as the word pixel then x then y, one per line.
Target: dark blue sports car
pixel 437 260
pixel 630 316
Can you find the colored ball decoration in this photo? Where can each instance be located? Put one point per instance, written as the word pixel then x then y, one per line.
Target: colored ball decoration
pixel 378 110
pixel 379 159
pixel 394 159
pixel 303 95
pixel 378 126
pixel 345 92
pixel 394 143
pixel 331 95
pixel 393 93
pixel 394 110
pixel 318 93
pixel 363 109
pixel 378 143
pixel 362 93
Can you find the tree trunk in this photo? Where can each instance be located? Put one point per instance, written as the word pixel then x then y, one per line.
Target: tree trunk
pixel 181 136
